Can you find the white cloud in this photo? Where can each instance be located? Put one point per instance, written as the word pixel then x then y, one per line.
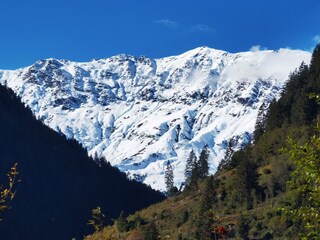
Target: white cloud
pixel 201 28
pixel 316 39
pixel 168 23
pixel 257 48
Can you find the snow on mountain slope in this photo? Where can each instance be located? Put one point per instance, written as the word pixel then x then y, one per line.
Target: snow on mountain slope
pixel 140 112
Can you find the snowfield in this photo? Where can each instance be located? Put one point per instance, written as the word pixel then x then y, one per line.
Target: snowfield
pixel 139 112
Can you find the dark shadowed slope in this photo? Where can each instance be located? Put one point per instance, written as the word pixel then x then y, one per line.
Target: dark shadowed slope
pixel 59 183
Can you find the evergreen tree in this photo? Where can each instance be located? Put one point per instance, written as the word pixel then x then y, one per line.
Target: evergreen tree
pixel 260 125
pixel 138 221
pixel 206 216
pixel 195 173
pixel 151 232
pixel 97 220
pixel 245 179
pixel 203 162
pixel 228 155
pixel 315 61
pixel 121 223
pixel 189 167
pixel 273 116
pixel 208 197
pixel 243 227
pixel 169 179
pixel 207 221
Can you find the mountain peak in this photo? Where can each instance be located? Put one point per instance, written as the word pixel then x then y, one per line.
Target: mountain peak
pixel 139 112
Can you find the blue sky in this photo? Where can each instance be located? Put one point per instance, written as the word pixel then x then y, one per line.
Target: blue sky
pixel 81 30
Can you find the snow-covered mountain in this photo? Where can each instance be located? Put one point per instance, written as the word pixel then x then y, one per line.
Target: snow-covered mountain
pixel 139 112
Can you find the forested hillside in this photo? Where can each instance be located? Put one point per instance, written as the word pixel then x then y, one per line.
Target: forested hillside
pixel 268 190
pixel 59 183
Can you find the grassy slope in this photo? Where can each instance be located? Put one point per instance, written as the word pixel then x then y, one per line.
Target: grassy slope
pixel 168 216
pixel 264 219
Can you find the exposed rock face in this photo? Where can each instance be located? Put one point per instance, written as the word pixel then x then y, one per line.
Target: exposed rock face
pixel 140 112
